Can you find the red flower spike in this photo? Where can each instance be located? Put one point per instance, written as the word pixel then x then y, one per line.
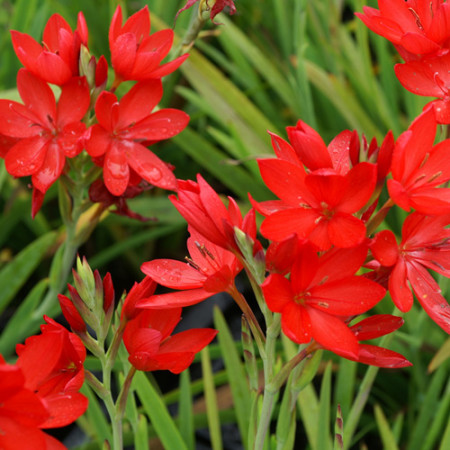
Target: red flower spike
pixel 319 293
pixel 419 168
pixel 415 27
pixel 204 211
pixel 57 60
pixel 136 55
pixel 217 7
pixel 52 363
pixel 108 293
pixel 47 132
pixel 151 347
pixel 123 126
pixel 209 270
pixel 424 246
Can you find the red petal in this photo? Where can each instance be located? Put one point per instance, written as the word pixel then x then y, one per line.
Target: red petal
pixel 376 326
pixel 116 172
pixel 138 23
pixel 123 54
pixel 73 102
pixel 429 295
pixel 174 299
pixel 192 340
pixel 17 121
pixel 139 102
pixel 399 288
pixel 166 69
pixel 332 334
pixel 361 183
pixel 277 292
pixel 384 248
pixel 149 166
pixel 27 156
pixel 346 231
pixel 38 98
pixel 338 263
pixel 282 224
pixel 50 169
pixel 52 30
pixel 104 110
pixel 26 48
pixel 284 150
pixel 309 146
pixel 173 274
pixel 285 180
pixel 381 357
pixel 296 323
pixel 347 297
pixel 160 125
pixel 64 409
pixel 53 69
pixel 99 141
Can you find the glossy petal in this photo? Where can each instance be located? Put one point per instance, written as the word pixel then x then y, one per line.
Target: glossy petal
pixel 149 166
pixel 73 102
pixel 173 274
pixel 399 288
pixel 50 169
pixel 116 172
pixel 27 156
pixel 175 299
pixel 296 323
pixel 64 409
pixel 346 231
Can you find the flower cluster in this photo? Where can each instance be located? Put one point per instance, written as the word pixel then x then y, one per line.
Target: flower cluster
pixel 39 135
pixel 419 30
pixel 40 390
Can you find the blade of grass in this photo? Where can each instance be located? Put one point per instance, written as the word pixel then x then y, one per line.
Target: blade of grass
pixel 212 408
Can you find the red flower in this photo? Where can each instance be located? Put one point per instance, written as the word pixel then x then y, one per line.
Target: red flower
pixel 319 205
pixel 56 61
pixel 136 55
pixel 372 328
pixel 121 129
pixel 319 294
pixel 209 270
pixel 415 27
pixel 217 7
pixel 22 412
pixel 52 364
pixel 424 246
pixel 47 132
pixel 418 168
pixel 431 78
pixel 204 211
pixel 150 344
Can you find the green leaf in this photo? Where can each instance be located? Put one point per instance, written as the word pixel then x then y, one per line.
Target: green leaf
pixel 386 434
pixel 16 273
pixel 19 323
pixel 185 414
pixel 158 414
pixel 141 434
pixel 212 408
pixel 236 374
pixel 323 430
pixel 440 357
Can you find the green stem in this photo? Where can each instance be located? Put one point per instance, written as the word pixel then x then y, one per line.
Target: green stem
pixel 249 314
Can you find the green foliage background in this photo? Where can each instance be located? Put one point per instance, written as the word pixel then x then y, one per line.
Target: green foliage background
pixel 272 63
